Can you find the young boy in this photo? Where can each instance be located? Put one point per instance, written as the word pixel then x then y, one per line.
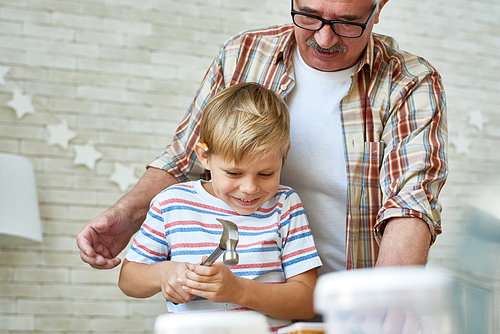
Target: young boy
pixel 244 140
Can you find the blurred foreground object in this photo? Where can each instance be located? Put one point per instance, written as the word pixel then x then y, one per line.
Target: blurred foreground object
pixel 211 323
pixel 303 328
pixel 478 266
pixel 19 212
pixel 387 300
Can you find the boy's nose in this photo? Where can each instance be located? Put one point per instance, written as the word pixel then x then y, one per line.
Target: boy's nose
pixel 249 186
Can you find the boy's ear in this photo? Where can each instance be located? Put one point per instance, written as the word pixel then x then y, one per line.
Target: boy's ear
pixel 202 155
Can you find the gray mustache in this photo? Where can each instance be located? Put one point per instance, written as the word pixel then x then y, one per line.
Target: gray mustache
pixel 334 48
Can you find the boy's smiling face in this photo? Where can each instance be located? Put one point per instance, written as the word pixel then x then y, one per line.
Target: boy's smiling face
pixel 246 185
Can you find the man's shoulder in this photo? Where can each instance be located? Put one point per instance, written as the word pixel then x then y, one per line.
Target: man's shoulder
pixel 389 47
pixel 387 51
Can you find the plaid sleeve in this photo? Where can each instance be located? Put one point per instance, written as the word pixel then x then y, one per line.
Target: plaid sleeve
pixel 414 167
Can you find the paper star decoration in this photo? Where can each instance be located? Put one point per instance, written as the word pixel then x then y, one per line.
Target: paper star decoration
pixel 477 120
pixel 86 155
pixel 461 144
pixel 21 104
pixel 123 176
pixel 3 71
pixel 59 134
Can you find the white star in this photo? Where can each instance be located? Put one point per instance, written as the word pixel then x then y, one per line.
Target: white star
pixel 21 104
pixel 461 144
pixel 123 176
pixel 3 71
pixel 477 120
pixel 59 134
pixel 87 155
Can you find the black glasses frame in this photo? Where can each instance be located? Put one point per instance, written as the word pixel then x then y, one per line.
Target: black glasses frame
pixel 331 23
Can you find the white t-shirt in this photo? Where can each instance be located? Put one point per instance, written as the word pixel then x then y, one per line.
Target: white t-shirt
pixel 315 167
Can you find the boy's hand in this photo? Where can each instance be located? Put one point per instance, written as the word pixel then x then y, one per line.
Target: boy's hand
pixel 216 283
pixel 170 286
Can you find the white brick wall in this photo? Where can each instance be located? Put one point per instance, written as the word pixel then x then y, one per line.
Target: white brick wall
pixel 122 73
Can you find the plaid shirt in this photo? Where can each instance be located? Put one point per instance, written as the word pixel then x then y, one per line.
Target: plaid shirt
pixel 393 120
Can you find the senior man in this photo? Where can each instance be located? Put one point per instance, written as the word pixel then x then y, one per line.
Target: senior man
pixel 368 131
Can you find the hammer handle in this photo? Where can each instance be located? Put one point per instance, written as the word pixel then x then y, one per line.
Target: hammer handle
pixel 211 259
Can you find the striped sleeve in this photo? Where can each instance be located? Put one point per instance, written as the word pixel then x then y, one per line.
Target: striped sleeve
pixel 299 252
pixel 150 245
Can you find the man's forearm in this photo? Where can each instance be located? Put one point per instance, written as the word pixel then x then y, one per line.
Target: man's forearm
pixel 406 241
pixel 136 201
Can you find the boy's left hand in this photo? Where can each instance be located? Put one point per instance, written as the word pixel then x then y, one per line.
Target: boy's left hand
pixel 216 283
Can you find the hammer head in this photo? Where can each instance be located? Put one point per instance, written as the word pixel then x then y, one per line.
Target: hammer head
pixel 228 241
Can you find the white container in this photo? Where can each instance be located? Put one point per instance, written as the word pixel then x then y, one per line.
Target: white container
pixel 211 323
pixel 365 300
pixel 303 328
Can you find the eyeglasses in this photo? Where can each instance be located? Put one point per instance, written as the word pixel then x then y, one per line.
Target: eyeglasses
pixel 344 29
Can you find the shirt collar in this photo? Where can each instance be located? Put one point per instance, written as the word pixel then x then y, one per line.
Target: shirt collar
pixel 285 49
pixel 367 57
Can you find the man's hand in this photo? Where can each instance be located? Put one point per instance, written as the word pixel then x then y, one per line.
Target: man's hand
pixel 406 242
pixel 104 237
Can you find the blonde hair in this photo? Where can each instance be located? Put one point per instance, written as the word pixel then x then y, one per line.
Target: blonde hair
pixel 246 118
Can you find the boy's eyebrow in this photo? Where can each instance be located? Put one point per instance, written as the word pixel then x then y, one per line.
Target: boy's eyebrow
pixel 270 169
pixel 239 169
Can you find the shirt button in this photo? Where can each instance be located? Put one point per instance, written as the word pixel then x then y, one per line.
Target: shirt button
pixel 283 88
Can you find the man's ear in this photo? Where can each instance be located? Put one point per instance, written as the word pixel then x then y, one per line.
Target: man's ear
pixel 380 6
pixel 202 155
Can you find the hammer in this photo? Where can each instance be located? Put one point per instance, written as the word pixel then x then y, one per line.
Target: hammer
pixel 228 242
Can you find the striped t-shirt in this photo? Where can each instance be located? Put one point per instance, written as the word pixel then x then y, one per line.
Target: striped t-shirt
pixel 275 242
